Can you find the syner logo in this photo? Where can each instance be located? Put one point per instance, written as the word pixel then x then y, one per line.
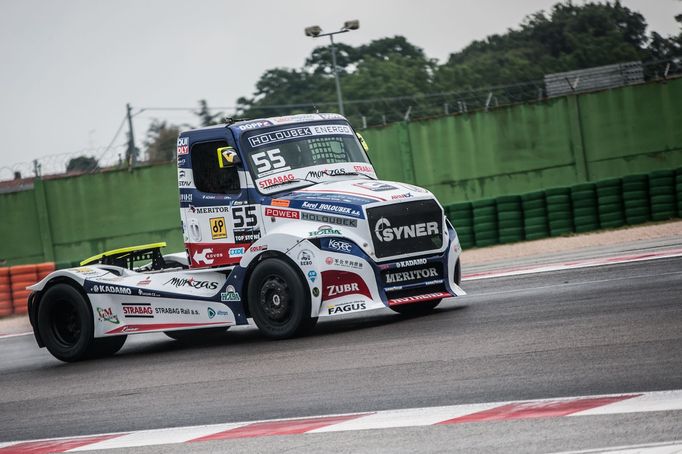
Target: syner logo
pixel 384 231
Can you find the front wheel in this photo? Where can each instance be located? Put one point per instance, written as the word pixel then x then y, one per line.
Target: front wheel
pixel 66 326
pixel 278 300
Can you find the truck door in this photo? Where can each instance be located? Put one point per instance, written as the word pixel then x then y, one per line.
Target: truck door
pixel 219 222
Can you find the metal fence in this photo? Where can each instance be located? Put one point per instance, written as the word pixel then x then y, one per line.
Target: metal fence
pixel 363 113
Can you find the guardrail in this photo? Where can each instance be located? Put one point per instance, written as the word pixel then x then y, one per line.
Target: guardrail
pixel 631 200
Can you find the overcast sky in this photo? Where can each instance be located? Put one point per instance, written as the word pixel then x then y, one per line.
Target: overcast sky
pixel 68 67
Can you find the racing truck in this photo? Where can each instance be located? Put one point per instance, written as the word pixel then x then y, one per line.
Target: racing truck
pixel 284 221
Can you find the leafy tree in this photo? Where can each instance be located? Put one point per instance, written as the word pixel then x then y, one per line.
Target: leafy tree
pixel 161 141
pixel 206 118
pixel 82 164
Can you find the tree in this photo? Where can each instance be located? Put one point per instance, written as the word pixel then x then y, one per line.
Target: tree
pixel 205 116
pixel 82 164
pixel 161 141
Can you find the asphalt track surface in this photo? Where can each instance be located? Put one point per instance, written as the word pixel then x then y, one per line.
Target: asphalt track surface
pixel 601 330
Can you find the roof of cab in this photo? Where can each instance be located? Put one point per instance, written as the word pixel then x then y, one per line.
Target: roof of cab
pixel 248 125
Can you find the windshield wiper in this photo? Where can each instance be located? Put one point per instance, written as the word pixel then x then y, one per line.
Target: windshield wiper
pixel 359 174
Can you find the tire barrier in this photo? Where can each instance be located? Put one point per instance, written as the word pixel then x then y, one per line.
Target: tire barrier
pixel 610 203
pixel 585 211
pixel 662 195
pixel 559 212
pixel 678 191
pixel 21 276
pixel 535 224
pixel 636 199
pixel 586 207
pixel 5 293
pixel 510 219
pixel 485 222
pixel 462 217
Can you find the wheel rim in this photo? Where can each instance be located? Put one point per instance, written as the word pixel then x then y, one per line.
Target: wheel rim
pixel 66 323
pixel 275 299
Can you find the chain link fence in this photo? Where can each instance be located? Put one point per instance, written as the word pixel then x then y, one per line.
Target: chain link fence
pixel 362 113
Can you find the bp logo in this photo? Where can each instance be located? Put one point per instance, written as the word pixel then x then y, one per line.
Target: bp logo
pixel 211 313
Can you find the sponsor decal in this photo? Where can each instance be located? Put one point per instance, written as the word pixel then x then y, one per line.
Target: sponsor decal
pixel 192 283
pixel 220 313
pixel 426 297
pixel 146 281
pixel 375 186
pixel 206 256
pixel 385 233
pixel 137 310
pixel 107 315
pixel 141 292
pixel 209 210
pixel 330 208
pixel 230 294
pixel 218 229
pixel 185 198
pixel 247 236
pixel 363 168
pixel 325 172
pixel 406 263
pixel 254 125
pixel 130 329
pixel 413 275
pixel 328 219
pixel 337 284
pixel 267 182
pixel 181 162
pixel 280 203
pixel 340 246
pixel 312 275
pixel 259 248
pixel 236 252
pixel 100 288
pixel 305 258
pixel 294 133
pixel 324 230
pixel 347 263
pixel 407 195
pixel 280 213
pixel 183 145
pixel 316 292
pixel 346 308
pixel 175 311
pixel 85 270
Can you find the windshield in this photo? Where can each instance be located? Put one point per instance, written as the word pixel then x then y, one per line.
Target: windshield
pixel 292 156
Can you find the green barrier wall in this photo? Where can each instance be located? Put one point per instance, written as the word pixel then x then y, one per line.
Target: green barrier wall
pixel 69 219
pixel 523 148
pixel 510 150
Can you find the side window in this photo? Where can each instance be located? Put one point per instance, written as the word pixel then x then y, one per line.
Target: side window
pixel 208 176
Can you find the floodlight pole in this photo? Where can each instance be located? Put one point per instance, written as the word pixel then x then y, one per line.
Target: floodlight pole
pixel 317 34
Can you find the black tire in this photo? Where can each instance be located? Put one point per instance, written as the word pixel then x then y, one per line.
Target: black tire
pixel 279 301
pixel 65 323
pixel 196 334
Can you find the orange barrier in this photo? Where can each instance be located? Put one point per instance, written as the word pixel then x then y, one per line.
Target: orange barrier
pixel 13 283
pixel 5 293
pixel 21 276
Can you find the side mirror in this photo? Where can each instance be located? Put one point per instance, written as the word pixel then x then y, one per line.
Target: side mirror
pixel 227 157
pixel 362 142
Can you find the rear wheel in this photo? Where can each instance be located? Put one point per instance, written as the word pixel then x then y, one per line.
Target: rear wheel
pixel 66 326
pixel 194 334
pixel 279 301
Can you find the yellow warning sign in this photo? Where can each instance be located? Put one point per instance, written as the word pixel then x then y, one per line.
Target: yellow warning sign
pixel 218 229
